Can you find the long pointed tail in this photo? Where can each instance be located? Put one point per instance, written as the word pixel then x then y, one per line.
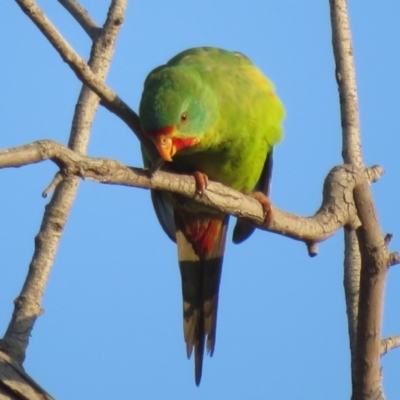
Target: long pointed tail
pixel 201 242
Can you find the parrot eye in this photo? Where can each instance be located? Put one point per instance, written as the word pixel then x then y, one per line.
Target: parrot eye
pixel 184 117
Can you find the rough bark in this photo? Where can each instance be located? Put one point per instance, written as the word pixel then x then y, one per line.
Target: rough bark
pixel 366 255
pixel 351 152
pixel 27 306
pixel 337 208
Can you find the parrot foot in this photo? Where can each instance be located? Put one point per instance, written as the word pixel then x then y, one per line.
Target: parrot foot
pixel 265 204
pixel 201 182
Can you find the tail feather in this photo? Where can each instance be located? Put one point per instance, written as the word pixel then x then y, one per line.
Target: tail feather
pixel 200 262
pixel 212 275
pixel 199 351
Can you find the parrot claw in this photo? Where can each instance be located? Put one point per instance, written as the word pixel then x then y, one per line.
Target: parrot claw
pixel 201 182
pixel 265 204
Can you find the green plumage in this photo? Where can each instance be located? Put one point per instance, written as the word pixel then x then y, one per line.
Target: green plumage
pixel 222 103
pixel 234 107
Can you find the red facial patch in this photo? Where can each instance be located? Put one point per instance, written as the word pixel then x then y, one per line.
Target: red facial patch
pixel 179 142
pixel 183 143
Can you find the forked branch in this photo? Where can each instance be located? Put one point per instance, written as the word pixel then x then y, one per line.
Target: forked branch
pixel 82 17
pixel 14 382
pixel 108 97
pixel 367 257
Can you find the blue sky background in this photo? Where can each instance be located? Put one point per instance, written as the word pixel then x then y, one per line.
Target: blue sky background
pixel 112 327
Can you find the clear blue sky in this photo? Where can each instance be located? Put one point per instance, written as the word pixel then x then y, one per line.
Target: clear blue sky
pixel 112 327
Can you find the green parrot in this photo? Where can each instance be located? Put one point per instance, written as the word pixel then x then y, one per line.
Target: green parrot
pixel 211 113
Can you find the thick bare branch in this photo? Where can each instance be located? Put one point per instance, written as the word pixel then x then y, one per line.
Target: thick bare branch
pixel 82 17
pixel 27 305
pixel 351 283
pixel 15 383
pixel 351 152
pixel 374 267
pixel 346 80
pixel 366 264
pixel 337 209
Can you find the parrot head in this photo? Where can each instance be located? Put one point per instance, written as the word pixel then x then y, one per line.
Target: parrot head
pixel 177 110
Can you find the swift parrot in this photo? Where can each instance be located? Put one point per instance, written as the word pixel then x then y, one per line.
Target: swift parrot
pixel 211 113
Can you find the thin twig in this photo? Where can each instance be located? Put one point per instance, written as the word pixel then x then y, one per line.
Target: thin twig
pixel 394 259
pixel 388 238
pixel 82 17
pixel 53 184
pixel 312 249
pixel 390 343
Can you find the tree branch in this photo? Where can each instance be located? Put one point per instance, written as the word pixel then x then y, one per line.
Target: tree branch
pixel 345 190
pixel 374 267
pixel 390 343
pixel 346 80
pixel 82 17
pixel 337 208
pixel 366 264
pixel 27 305
pixel 351 152
pixel 394 259
pixel 16 384
pixel 108 98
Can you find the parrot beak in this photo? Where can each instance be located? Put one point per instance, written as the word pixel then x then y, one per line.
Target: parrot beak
pixel 168 143
pixel 165 146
